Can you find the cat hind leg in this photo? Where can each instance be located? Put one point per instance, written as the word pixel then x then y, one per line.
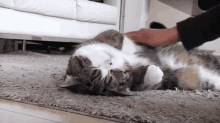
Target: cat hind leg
pixel 198 77
pixel 209 79
pixel 153 76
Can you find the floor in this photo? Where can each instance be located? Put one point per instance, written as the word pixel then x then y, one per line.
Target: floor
pixel 14 112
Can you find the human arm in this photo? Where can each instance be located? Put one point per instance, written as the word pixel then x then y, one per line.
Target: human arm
pixel 193 31
pixel 202 28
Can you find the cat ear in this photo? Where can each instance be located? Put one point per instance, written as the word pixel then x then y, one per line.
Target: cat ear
pixel 83 61
pixel 70 81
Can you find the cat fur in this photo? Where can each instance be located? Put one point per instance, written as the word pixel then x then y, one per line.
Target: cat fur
pixel 143 67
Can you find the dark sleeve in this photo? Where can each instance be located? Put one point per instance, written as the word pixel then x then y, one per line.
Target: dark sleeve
pixel 202 28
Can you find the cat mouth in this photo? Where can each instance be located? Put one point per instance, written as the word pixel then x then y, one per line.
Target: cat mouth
pixel 125 92
pixel 111 72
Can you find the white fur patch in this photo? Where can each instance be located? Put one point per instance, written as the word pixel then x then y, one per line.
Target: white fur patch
pixel 130 47
pixel 169 61
pixel 207 75
pixel 153 75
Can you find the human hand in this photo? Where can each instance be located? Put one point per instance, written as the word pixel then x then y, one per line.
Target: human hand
pixel 154 37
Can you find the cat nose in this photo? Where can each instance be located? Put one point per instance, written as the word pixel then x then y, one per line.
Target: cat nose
pixel 111 71
pixel 126 74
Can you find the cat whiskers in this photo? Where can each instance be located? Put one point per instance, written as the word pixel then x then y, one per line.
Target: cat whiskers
pixel 92 67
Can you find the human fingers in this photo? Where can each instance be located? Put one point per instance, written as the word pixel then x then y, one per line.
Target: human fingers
pixel 134 37
pixel 131 34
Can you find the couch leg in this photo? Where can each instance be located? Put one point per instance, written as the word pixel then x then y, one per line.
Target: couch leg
pixel 16 45
pixel 24 45
pixel 48 49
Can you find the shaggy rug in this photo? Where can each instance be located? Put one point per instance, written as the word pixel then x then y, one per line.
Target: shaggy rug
pixel 35 79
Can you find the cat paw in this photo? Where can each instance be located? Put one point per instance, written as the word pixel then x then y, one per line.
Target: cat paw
pixel 153 75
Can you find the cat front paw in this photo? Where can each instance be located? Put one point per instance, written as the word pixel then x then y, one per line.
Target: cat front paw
pixel 153 75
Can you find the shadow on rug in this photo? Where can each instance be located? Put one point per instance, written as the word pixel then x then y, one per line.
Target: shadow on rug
pixel 35 78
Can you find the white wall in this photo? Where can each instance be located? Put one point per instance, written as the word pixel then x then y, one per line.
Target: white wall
pixel 196 10
pixel 169 16
pixel 159 11
pixel 182 5
pixel 187 6
pixel 133 10
pixel 165 14
pixel 168 12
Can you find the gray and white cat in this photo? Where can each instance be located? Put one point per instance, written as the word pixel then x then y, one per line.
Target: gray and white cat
pixel 112 63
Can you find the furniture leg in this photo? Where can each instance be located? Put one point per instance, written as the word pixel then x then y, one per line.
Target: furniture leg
pixel 122 16
pixel 145 14
pixel 24 45
pixel 16 45
pixel 48 49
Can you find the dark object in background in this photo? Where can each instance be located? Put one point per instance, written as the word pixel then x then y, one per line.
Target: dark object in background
pixel 100 1
pixel 7 45
pixel 157 25
pixel 207 4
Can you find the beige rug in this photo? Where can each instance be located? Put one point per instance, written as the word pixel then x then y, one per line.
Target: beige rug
pixel 34 78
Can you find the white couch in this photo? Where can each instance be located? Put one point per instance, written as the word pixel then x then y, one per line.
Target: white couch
pixel 57 20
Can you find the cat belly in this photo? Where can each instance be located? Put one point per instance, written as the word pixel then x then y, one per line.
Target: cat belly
pixel 130 47
pixel 105 57
pixel 136 61
pixel 102 53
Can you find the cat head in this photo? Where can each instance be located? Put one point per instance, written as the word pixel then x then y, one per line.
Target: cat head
pixel 82 77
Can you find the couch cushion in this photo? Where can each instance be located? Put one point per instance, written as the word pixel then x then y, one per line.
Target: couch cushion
pixel 82 10
pixel 7 3
pixel 96 12
pixel 57 8
pixel 39 25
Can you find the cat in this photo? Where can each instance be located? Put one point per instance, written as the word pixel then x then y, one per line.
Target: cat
pixel 112 64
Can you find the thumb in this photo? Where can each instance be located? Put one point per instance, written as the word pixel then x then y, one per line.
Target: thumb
pixel 134 37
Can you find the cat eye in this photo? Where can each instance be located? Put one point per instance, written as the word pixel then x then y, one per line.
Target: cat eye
pixel 88 84
pixel 120 73
pixel 121 84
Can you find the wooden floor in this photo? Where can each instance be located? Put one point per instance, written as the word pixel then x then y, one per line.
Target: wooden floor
pixel 14 112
